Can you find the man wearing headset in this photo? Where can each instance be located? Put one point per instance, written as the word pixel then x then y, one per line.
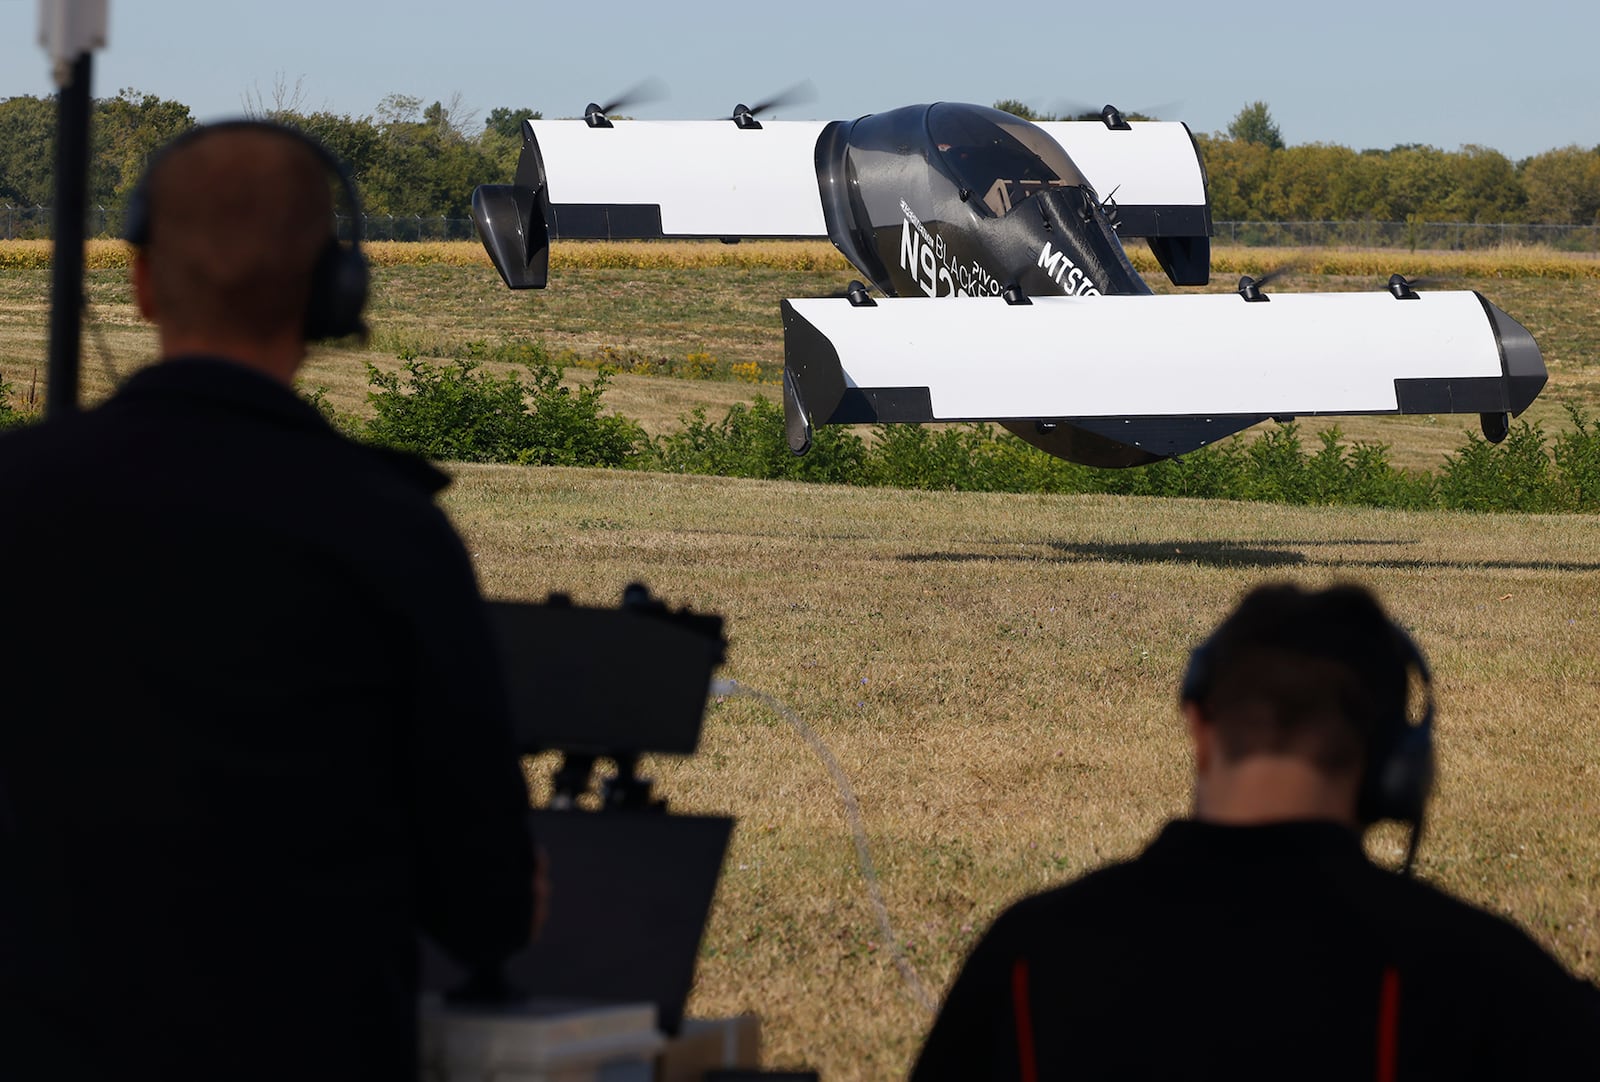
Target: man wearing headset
pixel 1255 940
pixel 254 736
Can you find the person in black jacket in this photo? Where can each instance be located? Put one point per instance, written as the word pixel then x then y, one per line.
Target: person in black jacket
pixel 1255 940
pixel 253 735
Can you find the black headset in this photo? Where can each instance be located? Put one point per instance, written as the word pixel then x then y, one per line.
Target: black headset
pixel 338 280
pixel 1397 774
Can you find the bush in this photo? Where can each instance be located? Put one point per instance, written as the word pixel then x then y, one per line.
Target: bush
pixel 1276 470
pixel 749 441
pixel 347 423
pixel 566 427
pixel 8 413
pixel 1517 475
pixel 1577 456
pixel 456 410
pixel 1215 472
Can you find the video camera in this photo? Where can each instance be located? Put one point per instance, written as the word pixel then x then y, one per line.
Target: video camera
pixel 631 886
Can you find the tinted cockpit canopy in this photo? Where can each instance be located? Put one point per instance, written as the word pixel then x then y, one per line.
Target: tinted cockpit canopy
pixel 1001 159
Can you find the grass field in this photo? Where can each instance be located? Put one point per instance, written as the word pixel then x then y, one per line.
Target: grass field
pixel 995 674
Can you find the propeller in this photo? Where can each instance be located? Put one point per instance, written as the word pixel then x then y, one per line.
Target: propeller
pixel 640 93
pixel 1110 115
pixel 1405 289
pixel 1250 288
pixel 745 115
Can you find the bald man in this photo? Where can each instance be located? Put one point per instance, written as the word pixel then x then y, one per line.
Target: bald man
pixel 253 736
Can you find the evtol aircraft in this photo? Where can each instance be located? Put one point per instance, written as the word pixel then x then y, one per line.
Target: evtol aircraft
pixel 1007 295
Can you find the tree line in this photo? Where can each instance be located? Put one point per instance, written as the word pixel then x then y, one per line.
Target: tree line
pixel 410 159
pixel 1252 176
pixel 406 158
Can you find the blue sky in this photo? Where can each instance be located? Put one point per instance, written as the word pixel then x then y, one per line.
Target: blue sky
pixel 1521 77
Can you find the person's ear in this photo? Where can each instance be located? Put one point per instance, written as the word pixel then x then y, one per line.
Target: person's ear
pixel 144 293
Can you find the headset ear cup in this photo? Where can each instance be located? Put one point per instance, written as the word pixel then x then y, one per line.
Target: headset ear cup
pixel 1399 773
pixel 338 293
pixel 1197 674
pixel 1399 783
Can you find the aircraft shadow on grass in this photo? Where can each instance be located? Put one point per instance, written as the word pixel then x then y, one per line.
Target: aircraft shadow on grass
pixel 1253 553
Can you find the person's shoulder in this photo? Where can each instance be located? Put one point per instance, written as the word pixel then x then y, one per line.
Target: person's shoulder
pixel 1438 921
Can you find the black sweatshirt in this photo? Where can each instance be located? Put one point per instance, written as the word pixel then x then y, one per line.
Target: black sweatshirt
pixel 253 737
pixel 1270 952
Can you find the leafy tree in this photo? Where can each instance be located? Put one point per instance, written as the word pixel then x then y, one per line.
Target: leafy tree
pixel 27 151
pixel 1419 180
pixel 1307 183
pixel 501 139
pixel 1483 187
pixel 1019 108
pixel 395 109
pixel 126 131
pixel 507 122
pixel 355 141
pixel 1236 172
pixel 423 164
pixel 1563 186
pixel 1254 124
pixel 450 120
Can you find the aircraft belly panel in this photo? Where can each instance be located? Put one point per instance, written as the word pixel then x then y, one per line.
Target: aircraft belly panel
pixel 709 178
pixel 1160 356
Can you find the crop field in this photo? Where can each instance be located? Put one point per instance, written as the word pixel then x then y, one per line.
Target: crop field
pixel 634 305
pixel 995 674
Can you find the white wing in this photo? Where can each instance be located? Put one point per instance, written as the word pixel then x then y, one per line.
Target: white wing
pixel 1154 357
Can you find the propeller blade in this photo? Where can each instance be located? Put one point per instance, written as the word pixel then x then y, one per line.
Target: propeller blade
pixel 804 90
pixel 1250 288
pixel 1426 282
pixel 640 93
pixel 1071 109
pixel 1279 271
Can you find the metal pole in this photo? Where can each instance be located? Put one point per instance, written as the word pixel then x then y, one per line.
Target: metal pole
pixel 66 261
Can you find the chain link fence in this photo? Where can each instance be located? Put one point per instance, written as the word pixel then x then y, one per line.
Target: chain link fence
pixel 37 223
pixel 1414 235
pixel 22 222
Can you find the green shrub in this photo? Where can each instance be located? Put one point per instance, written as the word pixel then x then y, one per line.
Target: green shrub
pixel 749 441
pixel 456 410
pixel 347 423
pixel 1516 475
pixel 13 413
pixel 566 427
pixel 915 456
pixel 1577 457
pixel 1276 469
pixel 1214 472
pixel 8 413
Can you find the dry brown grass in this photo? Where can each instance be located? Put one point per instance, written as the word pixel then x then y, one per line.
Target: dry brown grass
pixel 996 674
pixel 1510 261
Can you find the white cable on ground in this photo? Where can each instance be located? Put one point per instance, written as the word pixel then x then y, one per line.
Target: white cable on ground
pixel 852 812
